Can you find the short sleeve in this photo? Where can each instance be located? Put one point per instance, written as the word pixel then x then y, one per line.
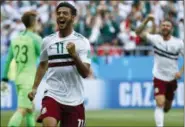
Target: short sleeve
pixel 182 48
pixel 85 53
pixel 44 54
pixel 152 38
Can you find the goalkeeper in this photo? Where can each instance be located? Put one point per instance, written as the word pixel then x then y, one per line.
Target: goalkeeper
pixel 25 49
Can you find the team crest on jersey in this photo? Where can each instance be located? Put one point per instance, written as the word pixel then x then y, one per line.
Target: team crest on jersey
pixel 53 46
pixel 156 90
pixel 44 110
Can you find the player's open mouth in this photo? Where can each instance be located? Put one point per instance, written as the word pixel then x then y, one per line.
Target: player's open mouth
pixel 62 22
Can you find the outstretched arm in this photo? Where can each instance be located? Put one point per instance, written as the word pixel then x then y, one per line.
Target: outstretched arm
pixel 4 85
pixel 179 74
pixel 8 61
pixel 83 68
pixel 140 29
pixel 182 70
pixel 41 70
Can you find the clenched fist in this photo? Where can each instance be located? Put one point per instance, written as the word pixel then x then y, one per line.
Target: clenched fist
pixel 71 49
pixel 32 94
pixel 4 86
pixel 150 17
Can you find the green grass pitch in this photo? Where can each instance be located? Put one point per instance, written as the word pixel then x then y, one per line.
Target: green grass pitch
pixel 119 118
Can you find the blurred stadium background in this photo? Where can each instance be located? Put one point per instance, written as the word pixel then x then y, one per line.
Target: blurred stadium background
pixel 119 93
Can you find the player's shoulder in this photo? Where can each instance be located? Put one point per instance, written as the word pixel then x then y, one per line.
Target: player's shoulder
pixel 154 36
pixel 16 39
pixel 177 39
pixel 158 36
pixel 81 37
pixel 37 36
pixel 49 37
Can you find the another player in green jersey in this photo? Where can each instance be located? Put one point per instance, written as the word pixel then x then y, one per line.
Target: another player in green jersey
pixel 25 49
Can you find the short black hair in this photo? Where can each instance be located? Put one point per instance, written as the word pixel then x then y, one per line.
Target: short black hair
pixel 68 5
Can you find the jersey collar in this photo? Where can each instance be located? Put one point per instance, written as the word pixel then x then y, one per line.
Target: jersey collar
pixel 72 33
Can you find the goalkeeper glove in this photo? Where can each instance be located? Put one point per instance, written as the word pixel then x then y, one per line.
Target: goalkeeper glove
pixel 4 85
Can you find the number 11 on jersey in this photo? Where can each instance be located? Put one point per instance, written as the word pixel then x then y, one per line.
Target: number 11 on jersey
pixel 60 47
pixel 81 123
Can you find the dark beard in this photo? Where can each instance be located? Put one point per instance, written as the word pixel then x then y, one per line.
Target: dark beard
pixel 166 34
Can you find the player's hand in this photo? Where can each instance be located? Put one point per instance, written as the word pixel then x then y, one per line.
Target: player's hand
pixel 4 86
pixel 71 49
pixel 151 17
pixel 178 75
pixel 32 94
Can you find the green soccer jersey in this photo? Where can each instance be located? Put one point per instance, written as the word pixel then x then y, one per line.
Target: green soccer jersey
pixel 25 49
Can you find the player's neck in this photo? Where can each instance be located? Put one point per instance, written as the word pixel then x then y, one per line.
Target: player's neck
pixel 166 38
pixel 66 32
pixel 30 29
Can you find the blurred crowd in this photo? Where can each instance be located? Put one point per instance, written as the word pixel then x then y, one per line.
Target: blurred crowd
pixel 109 25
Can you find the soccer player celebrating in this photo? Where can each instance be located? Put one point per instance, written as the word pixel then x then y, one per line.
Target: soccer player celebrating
pixel 25 49
pixel 166 51
pixel 65 55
